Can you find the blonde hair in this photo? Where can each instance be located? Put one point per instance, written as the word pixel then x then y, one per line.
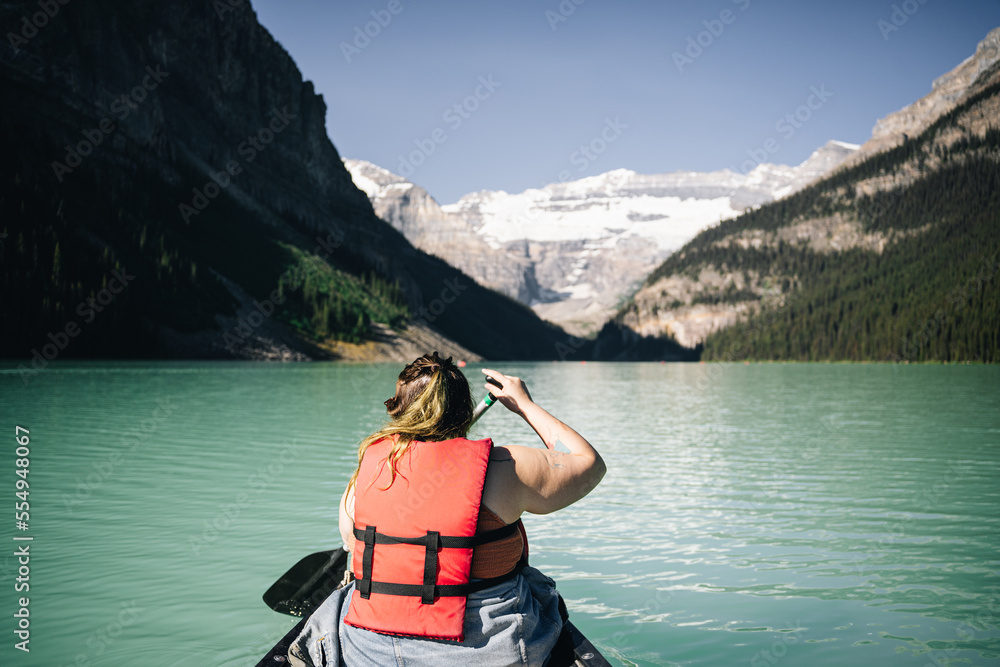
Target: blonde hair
pixel 432 403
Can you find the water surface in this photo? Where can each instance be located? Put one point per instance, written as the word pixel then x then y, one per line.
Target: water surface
pixel 796 514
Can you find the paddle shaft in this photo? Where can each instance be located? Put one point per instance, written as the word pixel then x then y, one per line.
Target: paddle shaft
pixel 485 404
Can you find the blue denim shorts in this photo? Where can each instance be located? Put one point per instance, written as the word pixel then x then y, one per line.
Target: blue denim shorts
pixel 516 622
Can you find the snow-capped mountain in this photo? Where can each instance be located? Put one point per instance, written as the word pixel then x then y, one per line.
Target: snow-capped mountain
pixel 668 208
pixel 412 211
pixel 573 250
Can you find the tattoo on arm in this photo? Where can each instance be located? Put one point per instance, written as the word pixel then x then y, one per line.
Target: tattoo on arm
pixel 560 446
pixel 553 460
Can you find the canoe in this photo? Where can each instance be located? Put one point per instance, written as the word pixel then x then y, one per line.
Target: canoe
pixel 310 581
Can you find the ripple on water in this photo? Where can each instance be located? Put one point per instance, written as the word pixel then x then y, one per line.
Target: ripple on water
pixel 844 514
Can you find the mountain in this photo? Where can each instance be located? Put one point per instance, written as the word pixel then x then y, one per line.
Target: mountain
pixel 946 91
pixel 170 190
pixel 412 211
pixel 573 251
pixel 893 256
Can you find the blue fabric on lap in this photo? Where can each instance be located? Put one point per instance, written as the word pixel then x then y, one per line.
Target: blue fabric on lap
pixel 516 622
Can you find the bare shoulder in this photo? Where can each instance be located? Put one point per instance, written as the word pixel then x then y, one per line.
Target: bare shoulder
pixel 516 474
pixel 501 490
pixel 546 480
pixel 530 460
pixel 527 463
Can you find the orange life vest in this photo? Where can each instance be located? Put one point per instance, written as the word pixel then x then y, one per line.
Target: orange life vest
pixel 413 548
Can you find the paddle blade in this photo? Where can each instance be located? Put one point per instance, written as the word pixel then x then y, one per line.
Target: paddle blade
pixel 307 583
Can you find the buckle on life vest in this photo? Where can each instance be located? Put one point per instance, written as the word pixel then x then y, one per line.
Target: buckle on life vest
pixel 432 542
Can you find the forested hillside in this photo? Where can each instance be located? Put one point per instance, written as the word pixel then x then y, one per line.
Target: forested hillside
pixel 895 258
pixel 63 244
pixel 168 189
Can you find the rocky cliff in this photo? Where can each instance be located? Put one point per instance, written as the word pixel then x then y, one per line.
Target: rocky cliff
pixel 574 251
pixel 179 140
pixel 411 210
pixel 946 91
pixel 892 256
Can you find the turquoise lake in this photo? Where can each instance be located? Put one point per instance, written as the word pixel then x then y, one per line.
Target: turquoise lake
pixel 761 514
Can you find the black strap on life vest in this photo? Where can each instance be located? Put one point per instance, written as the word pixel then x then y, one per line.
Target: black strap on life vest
pixel 432 543
pixel 430 566
pixel 365 583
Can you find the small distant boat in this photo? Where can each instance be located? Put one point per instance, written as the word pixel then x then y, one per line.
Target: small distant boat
pixel 311 581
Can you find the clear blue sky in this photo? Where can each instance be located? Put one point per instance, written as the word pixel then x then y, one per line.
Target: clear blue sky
pixel 561 81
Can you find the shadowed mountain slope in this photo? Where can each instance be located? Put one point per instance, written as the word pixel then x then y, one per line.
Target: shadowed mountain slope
pixel 176 142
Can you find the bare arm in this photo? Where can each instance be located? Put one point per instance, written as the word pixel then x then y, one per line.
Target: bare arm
pixel 347 519
pixel 547 480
